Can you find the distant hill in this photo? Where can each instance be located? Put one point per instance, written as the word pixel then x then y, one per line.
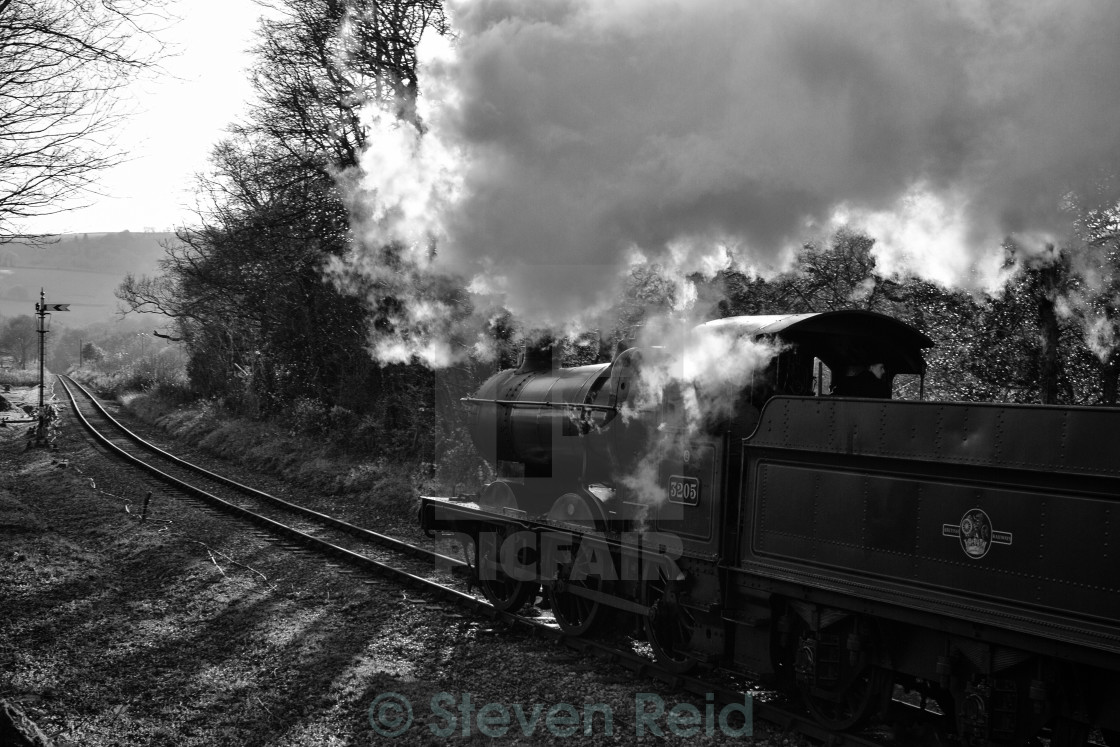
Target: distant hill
pixel 95 252
pixel 82 269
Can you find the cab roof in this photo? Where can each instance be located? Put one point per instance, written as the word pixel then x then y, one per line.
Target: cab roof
pixel 839 338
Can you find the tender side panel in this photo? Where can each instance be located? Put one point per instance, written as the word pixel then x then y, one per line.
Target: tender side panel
pixel 1004 516
pixel 1014 546
pixel 1032 437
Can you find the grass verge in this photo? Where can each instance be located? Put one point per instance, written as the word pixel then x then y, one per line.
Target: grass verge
pixel 19 377
pixel 314 464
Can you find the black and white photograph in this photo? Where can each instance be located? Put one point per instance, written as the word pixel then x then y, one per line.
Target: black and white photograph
pixel 567 372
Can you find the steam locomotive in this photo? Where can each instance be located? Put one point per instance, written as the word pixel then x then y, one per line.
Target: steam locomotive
pixel 839 546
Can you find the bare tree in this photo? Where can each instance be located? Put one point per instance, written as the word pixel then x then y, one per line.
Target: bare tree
pixel 321 61
pixel 63 64
pixel 19 338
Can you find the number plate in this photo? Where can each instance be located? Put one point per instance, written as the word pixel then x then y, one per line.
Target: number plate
pixel 684 490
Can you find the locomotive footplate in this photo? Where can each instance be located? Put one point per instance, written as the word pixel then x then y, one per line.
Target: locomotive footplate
pixel 537 550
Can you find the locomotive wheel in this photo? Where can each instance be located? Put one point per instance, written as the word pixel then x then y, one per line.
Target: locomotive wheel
pixel 668 626
pixel 577 615
pixel 1069 733
pixel 580 509
pixel 858 701
pixel 498 495
pixel 857 695
pixel 505 593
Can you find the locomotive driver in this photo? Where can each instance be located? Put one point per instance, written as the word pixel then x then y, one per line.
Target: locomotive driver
pixel 865 381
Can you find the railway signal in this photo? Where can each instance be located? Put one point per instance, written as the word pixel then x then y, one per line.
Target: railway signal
pixel 42 310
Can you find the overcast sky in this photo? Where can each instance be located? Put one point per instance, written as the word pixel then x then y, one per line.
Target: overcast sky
pixel 178 119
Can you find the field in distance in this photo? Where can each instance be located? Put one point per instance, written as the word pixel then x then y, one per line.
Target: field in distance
pixel 80 269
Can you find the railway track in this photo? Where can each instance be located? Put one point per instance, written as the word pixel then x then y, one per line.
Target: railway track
pixel 314 529
pixel 359 549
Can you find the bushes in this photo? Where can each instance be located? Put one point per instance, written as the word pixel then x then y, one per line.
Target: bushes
pixel 19 377
pixel 309 416
pixel 296 450
pixel 164 370
pixel 372 435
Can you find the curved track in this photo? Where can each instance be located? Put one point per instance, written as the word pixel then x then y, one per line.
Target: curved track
pixel 387 556
pixel 311 528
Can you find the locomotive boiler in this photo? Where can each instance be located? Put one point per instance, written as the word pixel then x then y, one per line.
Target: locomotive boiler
pixel 560 425
pixel 821 535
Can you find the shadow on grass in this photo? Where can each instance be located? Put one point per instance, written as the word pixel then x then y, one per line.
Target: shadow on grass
pixel 161 646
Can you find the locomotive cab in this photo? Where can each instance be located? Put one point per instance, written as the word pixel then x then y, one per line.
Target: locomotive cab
pixel 823 352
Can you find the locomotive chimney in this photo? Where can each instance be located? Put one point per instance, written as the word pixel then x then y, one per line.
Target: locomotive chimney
pixel 539 355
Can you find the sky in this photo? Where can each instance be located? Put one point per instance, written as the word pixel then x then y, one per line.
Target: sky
pixel 178 118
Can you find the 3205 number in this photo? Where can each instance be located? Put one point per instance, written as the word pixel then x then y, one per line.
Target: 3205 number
pixel 684 490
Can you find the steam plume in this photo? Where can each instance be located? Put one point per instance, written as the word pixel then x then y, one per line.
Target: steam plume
pixel 706 368
pixel 569 138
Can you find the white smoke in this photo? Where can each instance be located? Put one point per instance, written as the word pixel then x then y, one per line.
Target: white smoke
pixel 567 137
pixel 705 366
pixel 704 370
pixel 1092 288
pixel 1100 336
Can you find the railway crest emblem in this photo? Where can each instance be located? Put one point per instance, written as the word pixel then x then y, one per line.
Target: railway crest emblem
pixel 975 533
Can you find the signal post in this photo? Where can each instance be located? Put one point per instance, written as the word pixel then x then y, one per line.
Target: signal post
pixel 43 311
